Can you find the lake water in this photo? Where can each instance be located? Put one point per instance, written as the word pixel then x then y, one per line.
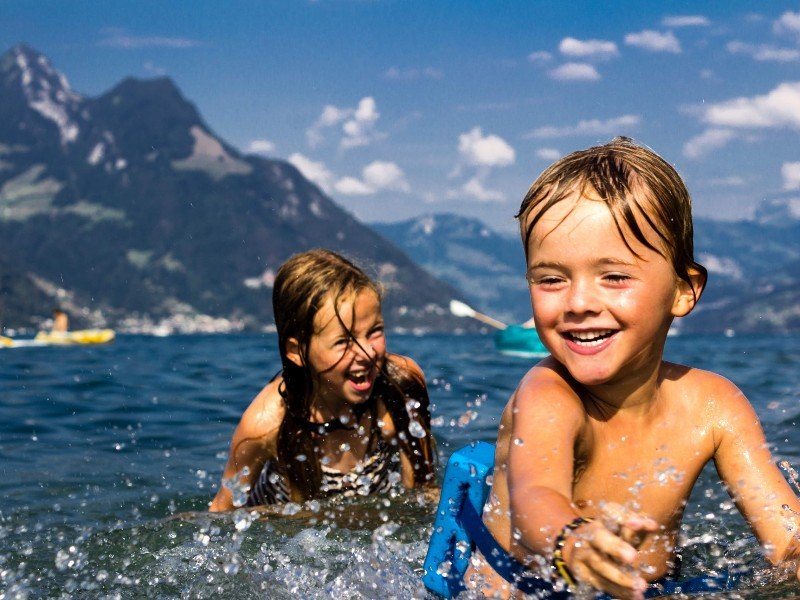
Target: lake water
pixel 110 454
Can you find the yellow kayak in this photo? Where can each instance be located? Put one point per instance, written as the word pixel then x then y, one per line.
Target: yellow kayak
pixel 78 336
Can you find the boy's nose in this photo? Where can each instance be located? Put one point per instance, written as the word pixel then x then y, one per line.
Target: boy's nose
pixel 582 298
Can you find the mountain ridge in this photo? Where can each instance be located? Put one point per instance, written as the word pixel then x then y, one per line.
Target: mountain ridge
pixel 132 203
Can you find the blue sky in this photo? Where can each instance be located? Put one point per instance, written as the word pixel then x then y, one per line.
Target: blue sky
pixel 401 108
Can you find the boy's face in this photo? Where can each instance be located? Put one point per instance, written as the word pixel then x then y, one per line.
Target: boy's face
pixel 601 310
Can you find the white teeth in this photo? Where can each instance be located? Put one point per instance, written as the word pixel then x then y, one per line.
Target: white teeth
pixel 591 338
pixel 359 376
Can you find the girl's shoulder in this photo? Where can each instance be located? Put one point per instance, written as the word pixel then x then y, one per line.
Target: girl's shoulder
pixel 263 418
pixel 405 364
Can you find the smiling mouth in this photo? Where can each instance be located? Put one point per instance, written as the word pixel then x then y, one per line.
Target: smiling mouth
pixel 360 378
pixel 589 338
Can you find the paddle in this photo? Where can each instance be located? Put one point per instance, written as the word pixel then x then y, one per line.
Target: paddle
pixel 460 309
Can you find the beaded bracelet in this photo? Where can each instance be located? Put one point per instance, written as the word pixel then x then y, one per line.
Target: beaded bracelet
pixel 558 563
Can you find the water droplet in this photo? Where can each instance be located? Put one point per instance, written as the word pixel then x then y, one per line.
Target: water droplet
pixel 416 430
pixel 518 441
pixel 444 568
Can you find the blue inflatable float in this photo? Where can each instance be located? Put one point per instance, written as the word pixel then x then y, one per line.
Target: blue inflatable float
pixel 516 340
pixel 458 530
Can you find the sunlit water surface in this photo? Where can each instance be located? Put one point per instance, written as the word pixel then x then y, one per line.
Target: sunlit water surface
pixel 109 456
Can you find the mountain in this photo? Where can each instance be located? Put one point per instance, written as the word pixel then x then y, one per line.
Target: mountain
pixel 129 205
pixel 754 266
pixel 487 266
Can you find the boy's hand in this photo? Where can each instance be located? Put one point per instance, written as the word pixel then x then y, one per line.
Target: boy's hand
pixel 604 552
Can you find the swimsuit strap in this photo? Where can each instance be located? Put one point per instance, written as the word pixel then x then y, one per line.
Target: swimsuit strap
pixel 327 427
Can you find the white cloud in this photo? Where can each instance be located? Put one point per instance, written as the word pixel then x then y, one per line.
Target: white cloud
pixel 118 38
pixel 485 151
pixel 615 126
pixel 654 41
pixel 706 142
pixel 480 154
pixel 570 46
pixel 550 154
pixel 764 52
pixel 732 181
pixel 791 175
pixel 264 147
pixel 789 22
pixel 375 177
pixel 312 170
pixel 686 21
pixel 540 57
pixel 357 124
pixel 475 188
pixel 412 73
pixel 381 175
pixel 350 186
pixel 360 130
pixel 777 109
pixel 154 69
pixel 575 72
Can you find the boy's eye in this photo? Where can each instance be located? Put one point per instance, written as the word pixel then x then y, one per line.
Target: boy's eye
pixel 617 277
pixel 544 280
pixel 376 331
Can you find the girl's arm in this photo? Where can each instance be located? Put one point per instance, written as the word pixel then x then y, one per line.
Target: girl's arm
pixel 548 421
pixel 747 468
pixel 253 443
pixel 414 372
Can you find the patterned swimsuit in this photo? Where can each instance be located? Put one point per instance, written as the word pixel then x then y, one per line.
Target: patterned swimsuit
pixel 375 473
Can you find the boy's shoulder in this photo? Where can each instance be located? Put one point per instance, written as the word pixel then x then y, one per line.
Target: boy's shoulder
pixel 706 391
pixel 546 385
pixel 694 381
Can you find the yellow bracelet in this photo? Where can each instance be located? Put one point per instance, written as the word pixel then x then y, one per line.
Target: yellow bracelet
pixel 558 563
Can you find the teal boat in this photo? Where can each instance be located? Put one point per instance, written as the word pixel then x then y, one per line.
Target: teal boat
pixel 516 340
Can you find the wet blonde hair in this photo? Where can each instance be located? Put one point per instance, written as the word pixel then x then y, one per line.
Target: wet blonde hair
pixel 634 183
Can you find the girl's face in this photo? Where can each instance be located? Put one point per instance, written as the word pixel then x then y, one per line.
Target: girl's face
pixel 346 359
pixel 601 310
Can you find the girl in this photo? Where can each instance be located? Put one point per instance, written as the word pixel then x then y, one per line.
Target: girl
pixel 579 493
pixel 344 416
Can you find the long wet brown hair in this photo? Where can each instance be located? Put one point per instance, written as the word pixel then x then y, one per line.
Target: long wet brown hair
pixel 302 286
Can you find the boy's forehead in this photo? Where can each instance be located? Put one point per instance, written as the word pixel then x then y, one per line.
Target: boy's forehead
pixel 585 212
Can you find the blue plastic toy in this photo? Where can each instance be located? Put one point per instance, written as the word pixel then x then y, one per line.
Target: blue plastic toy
pixel 459 529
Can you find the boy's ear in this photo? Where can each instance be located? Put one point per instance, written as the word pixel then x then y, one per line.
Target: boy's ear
pixel 293 351
pixel 687 295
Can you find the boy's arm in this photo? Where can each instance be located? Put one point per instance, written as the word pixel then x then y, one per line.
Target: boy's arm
pixel 753 480
pixel 548 419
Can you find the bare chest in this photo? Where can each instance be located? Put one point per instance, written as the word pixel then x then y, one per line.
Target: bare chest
pixel 650 469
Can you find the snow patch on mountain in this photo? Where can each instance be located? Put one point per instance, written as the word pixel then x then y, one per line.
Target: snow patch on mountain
pixel 28 194
pixel 209 156
pixel 48 93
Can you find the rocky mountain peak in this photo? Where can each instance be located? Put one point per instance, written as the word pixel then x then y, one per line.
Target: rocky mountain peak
pixel 44 89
